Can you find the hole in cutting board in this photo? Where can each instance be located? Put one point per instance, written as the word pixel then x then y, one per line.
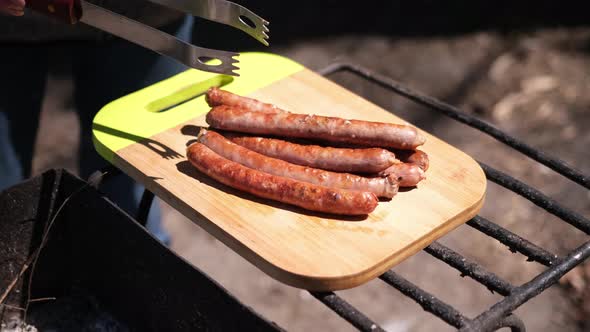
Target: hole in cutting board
pixel 187 94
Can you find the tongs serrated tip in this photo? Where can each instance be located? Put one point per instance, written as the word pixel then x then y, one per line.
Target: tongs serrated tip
pixel 252 24
pixel 214 61
pixel 224 12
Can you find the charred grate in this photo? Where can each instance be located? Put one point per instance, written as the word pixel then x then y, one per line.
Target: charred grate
pixel 500 314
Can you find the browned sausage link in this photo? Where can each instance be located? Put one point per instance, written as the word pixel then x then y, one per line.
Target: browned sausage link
pixel 382 187
pixel 408 175
pixel 299 193
pixel 218 97
pixel 369 160
pixel 415 157
pixel 419 158
pixel 374 134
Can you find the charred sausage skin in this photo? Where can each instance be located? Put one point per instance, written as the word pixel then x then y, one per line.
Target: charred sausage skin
pixel 406 174
pixel 361 160
pixel 305 195
pixel 332 129
pixel 381 186
pixel 218 97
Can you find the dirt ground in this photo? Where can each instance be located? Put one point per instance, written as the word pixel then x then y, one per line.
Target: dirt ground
pixel 535 86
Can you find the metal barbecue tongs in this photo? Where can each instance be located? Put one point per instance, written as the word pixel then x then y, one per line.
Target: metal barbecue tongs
pixel 215 61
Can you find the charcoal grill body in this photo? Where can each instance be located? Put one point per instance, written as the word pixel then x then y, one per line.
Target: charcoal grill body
pixel 96 248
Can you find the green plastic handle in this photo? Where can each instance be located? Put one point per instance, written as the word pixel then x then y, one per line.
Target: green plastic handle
pixel 178 99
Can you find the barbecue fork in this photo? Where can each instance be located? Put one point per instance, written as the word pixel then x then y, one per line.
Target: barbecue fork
pixel 210 60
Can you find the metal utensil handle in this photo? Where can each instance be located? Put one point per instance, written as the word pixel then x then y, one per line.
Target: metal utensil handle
pixel 69 11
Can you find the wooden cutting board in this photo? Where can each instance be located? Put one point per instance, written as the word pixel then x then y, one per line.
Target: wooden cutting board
pixel 145 134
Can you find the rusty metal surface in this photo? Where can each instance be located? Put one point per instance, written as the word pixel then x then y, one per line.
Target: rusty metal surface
pixel 23 216
pixel 95 248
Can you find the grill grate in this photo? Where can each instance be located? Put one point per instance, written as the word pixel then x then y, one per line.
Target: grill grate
pixel 454 113
pixel 500 314
pixel 427 301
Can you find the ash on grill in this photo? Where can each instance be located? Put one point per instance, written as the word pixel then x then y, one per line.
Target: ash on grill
pixel 77 312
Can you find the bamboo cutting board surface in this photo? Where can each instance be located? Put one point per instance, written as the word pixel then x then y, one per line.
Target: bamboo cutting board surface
pixel 300 248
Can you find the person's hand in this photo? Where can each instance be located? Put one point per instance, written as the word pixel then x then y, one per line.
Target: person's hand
pixel 12 7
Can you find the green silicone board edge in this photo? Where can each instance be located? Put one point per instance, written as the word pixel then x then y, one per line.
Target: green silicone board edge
pixel 137 116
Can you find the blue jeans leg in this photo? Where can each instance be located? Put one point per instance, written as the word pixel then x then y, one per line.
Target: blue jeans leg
pixel 23 75
pixel 105 72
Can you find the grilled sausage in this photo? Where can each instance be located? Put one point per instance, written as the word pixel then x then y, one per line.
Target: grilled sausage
pixel 333 129
pixel 382 187
pixel 218 97
pixel 406 174
pixel 411 170
pixel 299 193
pixel 415 157
pixel 369 160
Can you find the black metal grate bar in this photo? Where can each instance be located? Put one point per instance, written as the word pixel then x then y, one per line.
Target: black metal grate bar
pixel 347 311
pixel 537 197
pixel 514 242
pixel 513 322
pixel 427 301
pixel 455 113
pixel 470 269
pixel 487 320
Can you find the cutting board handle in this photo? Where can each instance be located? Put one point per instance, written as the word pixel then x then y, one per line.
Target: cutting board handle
pixel 69 11
pixel 178 99
pixel 191 92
